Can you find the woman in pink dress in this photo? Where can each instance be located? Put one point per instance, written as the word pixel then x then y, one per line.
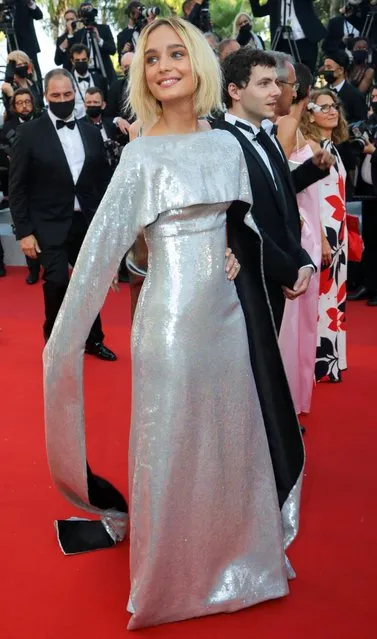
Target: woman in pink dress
pixel 323 125
pixel 298 334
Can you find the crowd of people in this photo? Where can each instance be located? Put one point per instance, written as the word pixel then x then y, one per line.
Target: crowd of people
pixel 197 142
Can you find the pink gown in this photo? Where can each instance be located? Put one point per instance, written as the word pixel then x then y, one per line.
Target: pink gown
pixel 298 334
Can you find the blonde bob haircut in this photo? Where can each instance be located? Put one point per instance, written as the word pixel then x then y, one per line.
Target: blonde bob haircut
pixel 205 69
pixel 236 28
pixel 21 56
pixel 310 130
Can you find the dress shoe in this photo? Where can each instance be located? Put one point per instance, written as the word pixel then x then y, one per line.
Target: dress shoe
pixel 32 278
pixel 3 270
pixel 361 293
pixel 372 300
pixel 101 351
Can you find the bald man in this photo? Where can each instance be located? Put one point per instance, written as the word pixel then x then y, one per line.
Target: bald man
pixel 226 47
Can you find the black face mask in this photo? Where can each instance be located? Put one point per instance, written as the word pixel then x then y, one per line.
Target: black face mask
pixel 329 77
pixel 93 111
pixel 81 67
pixel 374 107
pixel 22 71
pixel 360 56
pixel 25 116
pixel 62 110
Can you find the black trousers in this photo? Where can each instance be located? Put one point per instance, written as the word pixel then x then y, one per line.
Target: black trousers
pixel 369 262
pixel 277 302
pixel 308 51
pixel 55 261
pixel 1 253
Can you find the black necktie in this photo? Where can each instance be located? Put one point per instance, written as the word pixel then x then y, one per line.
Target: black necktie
pixel 61 123
pixel 86 79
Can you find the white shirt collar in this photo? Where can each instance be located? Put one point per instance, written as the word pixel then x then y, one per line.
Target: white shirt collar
pixel 54 119
pixel 338 86
pixel 77 75
pixel 267 126
pixel 229 117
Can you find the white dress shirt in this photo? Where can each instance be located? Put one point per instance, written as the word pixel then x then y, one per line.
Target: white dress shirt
pixel 80 90
pixel 291 20
pixel 267 126
pixel 338 86
pixel 232 119
pixel 73 148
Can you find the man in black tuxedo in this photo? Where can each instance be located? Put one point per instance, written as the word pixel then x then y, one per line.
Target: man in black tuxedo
pixel 58 174
pixel 26 11
pixel 251 95
pixel 65 41
pixel 126 39
pixel 101 35
pixel 95 106
pixel 83 77
pixel 307 29
pixel 334 70
pixel 117 98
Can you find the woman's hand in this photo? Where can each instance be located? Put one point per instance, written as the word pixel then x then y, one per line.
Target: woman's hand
pixel 232 267
pixel 326 252
pixel 7 89
pixel 369 148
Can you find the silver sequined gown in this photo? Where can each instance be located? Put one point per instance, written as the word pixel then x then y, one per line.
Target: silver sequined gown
pixel 206 532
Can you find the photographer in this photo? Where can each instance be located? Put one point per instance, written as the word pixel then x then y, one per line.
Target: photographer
pixel 83 77
pixel 367 189
pixel 197 12
pixel 23 110
pixel 98 39
pixel 25 12
pixel 117 107
pixel 95 106
pixel 138 17
pixel 20 73
pixel 65 41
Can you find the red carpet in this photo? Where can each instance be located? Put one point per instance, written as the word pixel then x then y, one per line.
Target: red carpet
pixel 45 595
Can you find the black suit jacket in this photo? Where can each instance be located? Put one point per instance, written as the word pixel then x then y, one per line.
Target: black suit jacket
pixel 122 38
pixel 108 125
pixel 24 27
pixel 98 81
pixel 335 34
pixel 311 25
pixel 108 48
pixel 354 103
pixel 41 188
pixel 62 57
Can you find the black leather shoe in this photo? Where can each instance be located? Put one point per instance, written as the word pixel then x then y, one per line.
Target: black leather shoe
pixel 32 278
pixel 3 270
pixel 101 351
pixel 372 300
pixel 361 293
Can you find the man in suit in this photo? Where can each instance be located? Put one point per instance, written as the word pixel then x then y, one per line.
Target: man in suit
pixel 65 41
pixel 126 39
pixel 58 174
pixel 96 37
pixel 251 94
pixel 83 77
pixel 23 110
pixel 26 11
pixel 300 15
pixel 117 98
pixel 334 71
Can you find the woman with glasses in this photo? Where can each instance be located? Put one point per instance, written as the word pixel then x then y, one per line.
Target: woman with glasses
pixel 324 126
pixel 20 74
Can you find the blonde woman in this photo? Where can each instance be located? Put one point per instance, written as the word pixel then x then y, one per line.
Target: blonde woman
pixel 323 126
pixel 243 32
pixel 20 73
pixel 205 528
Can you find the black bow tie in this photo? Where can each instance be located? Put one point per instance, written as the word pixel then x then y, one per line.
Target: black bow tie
pixel 248 128
pixel 86 79
pixel 61 123
pixel 99 125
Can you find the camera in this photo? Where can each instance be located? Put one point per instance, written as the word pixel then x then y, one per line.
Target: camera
pixel 145 13
pixel 88 18
pixel 362 132
pixel 7 12
pixel 113 152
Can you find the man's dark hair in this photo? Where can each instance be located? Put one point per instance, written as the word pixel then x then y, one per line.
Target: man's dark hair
pixel 360 39
pixel 238 67
pixel 78 48
pixel 131 7
pixel 94 90
pixel 70 11
pixel 18 92
pixel 305 81
pixel 54 73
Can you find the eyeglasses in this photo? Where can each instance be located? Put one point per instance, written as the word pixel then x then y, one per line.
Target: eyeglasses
pixel 295 85
pixel 26 102
pixel 325 108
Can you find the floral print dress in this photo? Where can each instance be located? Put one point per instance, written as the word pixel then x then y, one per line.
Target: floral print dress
pixel 331 333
